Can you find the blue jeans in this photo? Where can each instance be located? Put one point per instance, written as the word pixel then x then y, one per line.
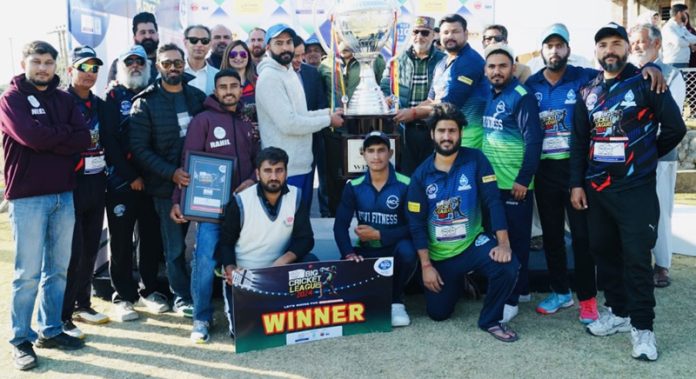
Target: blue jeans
pixel 202 270
pixel 173 236
pixel 42 227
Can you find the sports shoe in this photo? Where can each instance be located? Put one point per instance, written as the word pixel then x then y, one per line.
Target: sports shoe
pixel 608 323
pixel 554 302
pixel 509 312
pixel 155 303
pixel 399 317
pixel 644 345
pixel 525 298
pixel 183 309
pixel 61 341
pixel 199 333
pixel 588 311
pixel 73 331
pixel 123 311
pixel 90 316
pixel 24 356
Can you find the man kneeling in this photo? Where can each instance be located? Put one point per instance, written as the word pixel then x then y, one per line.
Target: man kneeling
pixel 445 198
pixel 265 225
pixel 378 200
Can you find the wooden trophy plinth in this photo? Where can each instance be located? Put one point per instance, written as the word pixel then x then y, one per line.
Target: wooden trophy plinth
pixel 357 128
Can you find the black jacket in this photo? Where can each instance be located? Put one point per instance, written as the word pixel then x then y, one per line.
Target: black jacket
pixel 154 135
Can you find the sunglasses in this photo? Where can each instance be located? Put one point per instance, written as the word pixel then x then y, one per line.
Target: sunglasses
pixel 137 60
pixel 87 67
pixel 241 54
pixel 495 38
pixel 178 64
pixel 424 33
pixel 195 40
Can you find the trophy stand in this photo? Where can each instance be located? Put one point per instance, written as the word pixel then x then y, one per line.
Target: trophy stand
pixel 357 127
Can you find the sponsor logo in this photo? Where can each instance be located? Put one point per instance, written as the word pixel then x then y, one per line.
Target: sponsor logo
pixel 392 202
pixel 431 191
pixel 629 99
pixel 119 210
pixel 413 207
pixel 608 123
pixel 219 132
pixel 463 183
pixel 488 178
pixel 126 107
pixel 571 97
pixel 289 221
pixel 482 239
pixel 384 266
pixel 538 96
pixel 465 80
pixel 33 101
pixel 591 101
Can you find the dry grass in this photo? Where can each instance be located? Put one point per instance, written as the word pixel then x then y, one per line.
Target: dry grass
pixel 550 346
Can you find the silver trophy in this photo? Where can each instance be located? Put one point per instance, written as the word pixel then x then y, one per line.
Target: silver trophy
pixel 364 26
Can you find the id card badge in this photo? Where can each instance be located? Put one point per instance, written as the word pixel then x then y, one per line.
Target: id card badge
pixel 555 143
pixel 450 232
pixel 95 163
pixel 611 151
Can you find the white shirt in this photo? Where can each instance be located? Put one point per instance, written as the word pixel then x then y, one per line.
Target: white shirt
pixel 675 43
pixel 204 78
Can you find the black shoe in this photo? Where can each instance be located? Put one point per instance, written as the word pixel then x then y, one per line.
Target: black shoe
pixel 61 341
pixel 24 356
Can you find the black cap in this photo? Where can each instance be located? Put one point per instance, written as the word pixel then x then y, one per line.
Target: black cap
pixel 82 54
pixel 611 29
pixel 376 136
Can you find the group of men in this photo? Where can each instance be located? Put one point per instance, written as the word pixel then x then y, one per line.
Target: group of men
pixel 476 142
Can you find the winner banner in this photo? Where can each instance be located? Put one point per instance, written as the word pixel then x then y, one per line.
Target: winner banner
pixel 297 303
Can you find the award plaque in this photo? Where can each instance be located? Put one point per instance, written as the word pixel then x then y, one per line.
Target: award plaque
pixel 210 189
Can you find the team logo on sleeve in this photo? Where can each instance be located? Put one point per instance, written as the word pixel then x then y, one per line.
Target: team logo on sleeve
pixel 463 183
pixel 628 100
pixel 591 101
pixel 431 191
pixel 392 202
pixel 570 97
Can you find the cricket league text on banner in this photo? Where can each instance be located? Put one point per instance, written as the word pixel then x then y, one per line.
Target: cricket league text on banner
pixel 277 306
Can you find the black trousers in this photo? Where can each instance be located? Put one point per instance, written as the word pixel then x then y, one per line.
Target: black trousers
pixel 333 143
pixel 89 221
pixel 125 210
pixel 553 202
pixel 416 146
pixel 623 229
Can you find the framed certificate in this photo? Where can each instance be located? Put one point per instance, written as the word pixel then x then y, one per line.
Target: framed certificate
pixel 209 191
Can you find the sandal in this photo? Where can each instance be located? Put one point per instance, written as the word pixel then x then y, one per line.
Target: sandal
pixel 502 332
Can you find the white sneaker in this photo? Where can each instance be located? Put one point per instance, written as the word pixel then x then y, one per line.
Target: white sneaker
pixel 123 311
pixel 644 345
pixel 73 331
pixel 509 312
pixel 399 317
pixel 525 298
pixel 608 323
pixel 155 303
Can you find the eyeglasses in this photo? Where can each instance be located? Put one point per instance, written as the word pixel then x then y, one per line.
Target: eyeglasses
pixel 242 54
pixel 424 33
pixel 137 60
pixel 195 40
pixel 178 63
pixel 87 67
pixel 495 38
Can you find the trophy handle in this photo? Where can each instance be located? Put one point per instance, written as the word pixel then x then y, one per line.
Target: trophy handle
pixel 318 22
